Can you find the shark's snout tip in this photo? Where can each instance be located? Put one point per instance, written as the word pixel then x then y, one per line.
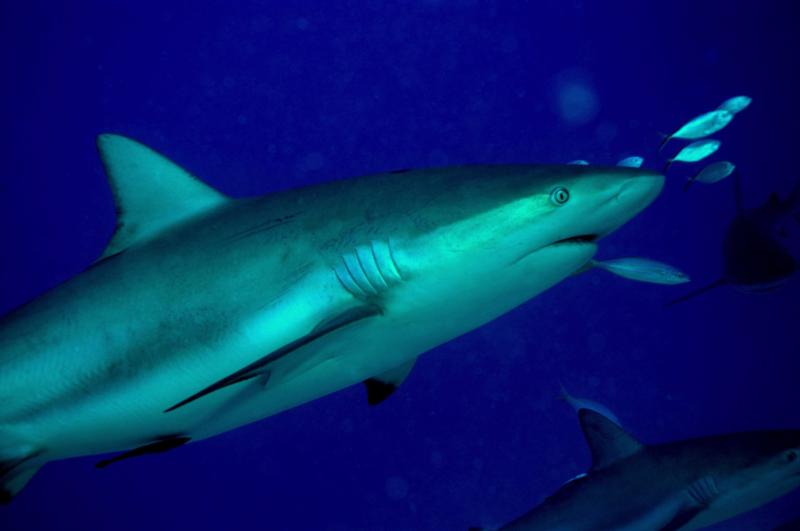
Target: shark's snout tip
pixel 644 187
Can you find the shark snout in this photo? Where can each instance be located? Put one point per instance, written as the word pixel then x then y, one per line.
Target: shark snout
pixel 642 189
pixel 629 197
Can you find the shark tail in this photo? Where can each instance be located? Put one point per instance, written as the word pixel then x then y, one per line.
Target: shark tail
pixel 18 464
pixel 699 291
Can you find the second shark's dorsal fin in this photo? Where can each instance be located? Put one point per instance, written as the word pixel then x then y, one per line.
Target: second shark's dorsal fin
pixel 608 442
pixel 151 192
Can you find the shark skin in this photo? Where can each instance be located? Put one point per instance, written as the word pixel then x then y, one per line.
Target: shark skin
pixel 681 485
pixel 207 313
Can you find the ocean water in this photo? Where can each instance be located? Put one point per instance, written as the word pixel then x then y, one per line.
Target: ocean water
pixel 256 97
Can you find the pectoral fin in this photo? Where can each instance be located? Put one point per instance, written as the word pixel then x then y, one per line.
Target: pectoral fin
pixel 156 447
pixel 260 367
pixel 382 386
pixel 699 495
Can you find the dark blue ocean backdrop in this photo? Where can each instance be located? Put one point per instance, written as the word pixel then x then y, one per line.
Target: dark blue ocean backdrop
pixel 256 97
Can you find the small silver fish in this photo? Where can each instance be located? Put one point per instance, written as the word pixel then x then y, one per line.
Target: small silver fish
pixel 583 403
pixel 716 171
pixel 694 152
pixel 631 162
pixel 578 162
pixel 736 104
pixel 643 270
pixel 701 126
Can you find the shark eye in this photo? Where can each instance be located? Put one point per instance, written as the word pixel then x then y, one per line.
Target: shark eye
pixel 559 196
pixel 790 456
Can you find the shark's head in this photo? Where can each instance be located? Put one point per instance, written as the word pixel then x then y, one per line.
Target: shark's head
pixel 752 469
pixel 496 236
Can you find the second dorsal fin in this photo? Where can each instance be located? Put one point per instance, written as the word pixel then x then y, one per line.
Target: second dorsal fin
pixel 151 192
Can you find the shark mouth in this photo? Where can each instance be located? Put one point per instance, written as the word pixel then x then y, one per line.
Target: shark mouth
pixel 580 239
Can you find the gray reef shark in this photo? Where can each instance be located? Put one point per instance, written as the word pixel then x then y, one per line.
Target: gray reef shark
pixel 682 485
pixel 206 313
pixel 755 258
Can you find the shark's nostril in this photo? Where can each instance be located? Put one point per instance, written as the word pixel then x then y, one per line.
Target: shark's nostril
pixel 644 188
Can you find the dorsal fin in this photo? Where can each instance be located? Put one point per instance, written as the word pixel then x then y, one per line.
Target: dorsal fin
pixel 608 442
pixel 151 192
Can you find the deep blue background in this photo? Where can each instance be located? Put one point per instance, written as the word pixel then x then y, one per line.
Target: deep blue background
pixel 268 95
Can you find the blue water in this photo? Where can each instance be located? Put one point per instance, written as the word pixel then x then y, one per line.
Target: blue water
pixel 264 96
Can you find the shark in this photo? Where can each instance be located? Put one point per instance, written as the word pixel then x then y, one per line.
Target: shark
pixel 679 485
pixel 756 259
pixel 206 313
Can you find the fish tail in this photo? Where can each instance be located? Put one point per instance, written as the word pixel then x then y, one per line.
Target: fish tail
pixel 596 264
pixel 699 291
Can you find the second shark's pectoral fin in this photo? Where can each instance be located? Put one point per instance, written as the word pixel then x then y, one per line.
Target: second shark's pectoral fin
pixel 699 291
pixel 698 497
pixel 260 367
pixel 607 441
pixel 382 386
pixel 150 191
pixel 156 447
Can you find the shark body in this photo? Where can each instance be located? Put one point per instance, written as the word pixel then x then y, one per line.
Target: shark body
pixel 755 258
pixel 680 485
pixel 206 313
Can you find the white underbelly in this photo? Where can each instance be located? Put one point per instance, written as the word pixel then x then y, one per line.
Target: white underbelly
pixel 131 415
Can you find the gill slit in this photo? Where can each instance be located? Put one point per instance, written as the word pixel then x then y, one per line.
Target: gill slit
pixel 365 272
pixel 351 270
pixel 378 267
pixel 392 260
